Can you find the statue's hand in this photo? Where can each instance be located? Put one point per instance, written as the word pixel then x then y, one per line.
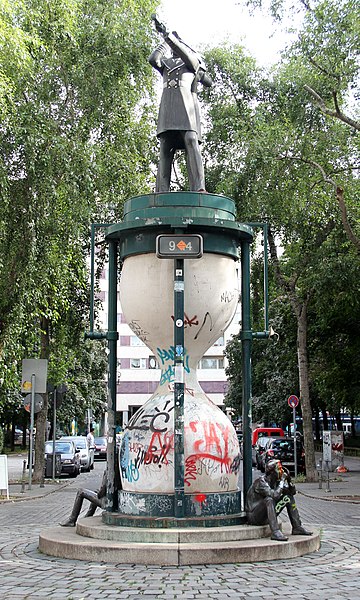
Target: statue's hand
pixel 160 27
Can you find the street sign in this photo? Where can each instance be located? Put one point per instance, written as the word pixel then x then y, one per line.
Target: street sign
pixel 37 367
pixel 39 403
pixel 179 246
pixel 293 401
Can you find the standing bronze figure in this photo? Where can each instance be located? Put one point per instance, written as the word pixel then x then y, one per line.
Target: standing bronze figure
pixel 179 115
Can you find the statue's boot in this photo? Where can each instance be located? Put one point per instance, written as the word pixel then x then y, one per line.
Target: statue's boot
pixel 297 528
pixel 278 536
pixel 276 533
pixel 71 521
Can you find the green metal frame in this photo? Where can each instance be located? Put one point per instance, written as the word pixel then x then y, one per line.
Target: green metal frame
pixel 213 217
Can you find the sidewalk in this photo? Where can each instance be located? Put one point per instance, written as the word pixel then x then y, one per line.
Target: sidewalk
pixel 339 487
pixel 19 482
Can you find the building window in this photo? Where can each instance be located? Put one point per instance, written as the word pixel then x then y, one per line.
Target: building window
pixel 135 341
pixel 211 362
pixel 153 364
pixel 138 363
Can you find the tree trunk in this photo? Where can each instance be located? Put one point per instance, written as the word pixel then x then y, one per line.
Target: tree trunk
pixel 41 416
pixel 303 366
pixel 300 311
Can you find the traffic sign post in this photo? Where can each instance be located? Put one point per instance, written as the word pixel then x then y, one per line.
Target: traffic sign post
pixel 293 402
pixel 34 376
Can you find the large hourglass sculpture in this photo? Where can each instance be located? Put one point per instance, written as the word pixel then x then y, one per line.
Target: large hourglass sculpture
pixel 211 449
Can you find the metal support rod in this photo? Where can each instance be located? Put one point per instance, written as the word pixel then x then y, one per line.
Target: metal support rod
pixel 111 501
pixel 295 444
pixel 32 413
pixel 54 437
pixel 92 276
pixel 266 285
pixel 179 386
pixel 246 343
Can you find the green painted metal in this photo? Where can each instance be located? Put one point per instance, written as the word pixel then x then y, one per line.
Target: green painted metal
pixel 210 215
pixel 186 203
pixel 111 496
pixel 162 506
pixel 179 387
pixel 213 217
pixel 246 342
pixel 121 520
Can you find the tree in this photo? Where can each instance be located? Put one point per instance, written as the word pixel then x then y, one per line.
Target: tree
pixel 281 142
pixel 74 145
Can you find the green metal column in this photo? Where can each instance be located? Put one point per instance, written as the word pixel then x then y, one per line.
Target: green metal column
pixel 112 337
pixel 179 386
pixel 246 342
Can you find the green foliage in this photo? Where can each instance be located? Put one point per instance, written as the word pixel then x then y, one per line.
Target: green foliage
pixel 289 157
pixel 75 97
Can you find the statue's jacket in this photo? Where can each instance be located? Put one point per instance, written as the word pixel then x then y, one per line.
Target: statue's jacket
pixel 179 107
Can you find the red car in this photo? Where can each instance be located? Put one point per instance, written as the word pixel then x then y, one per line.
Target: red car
pixel 100 452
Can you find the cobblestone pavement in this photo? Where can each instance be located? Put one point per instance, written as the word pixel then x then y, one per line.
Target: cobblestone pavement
pixel 331 573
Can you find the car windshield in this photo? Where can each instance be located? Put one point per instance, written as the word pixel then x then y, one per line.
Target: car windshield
pixel 101 441
pixel 63 447
pixel 79 442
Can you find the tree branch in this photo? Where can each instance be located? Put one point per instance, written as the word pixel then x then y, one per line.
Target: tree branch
pixel 337 114
pixel 339 194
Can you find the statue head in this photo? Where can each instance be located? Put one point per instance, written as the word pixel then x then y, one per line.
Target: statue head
pixel 274 469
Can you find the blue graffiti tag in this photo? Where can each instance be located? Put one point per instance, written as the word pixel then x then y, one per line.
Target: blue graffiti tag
pixel 167 355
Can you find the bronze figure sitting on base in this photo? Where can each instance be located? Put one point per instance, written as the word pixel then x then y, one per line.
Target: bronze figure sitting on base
pixel 268 496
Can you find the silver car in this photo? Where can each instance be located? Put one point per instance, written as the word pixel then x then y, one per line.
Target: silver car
pixel 86 453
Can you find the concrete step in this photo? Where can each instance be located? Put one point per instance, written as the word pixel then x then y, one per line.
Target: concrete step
pixel 65 542
pixel 95 528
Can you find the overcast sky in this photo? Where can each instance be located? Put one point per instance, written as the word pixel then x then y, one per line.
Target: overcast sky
pixel 210 22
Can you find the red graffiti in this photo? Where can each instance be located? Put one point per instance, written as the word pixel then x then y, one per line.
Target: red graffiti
pixel 190 470
pixel 189 322
pixel 200 498
pixel 212 444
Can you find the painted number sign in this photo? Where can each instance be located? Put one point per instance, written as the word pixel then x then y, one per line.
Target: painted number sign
pixel 179 246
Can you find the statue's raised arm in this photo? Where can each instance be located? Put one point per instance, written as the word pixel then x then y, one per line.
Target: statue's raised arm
pixel 178 125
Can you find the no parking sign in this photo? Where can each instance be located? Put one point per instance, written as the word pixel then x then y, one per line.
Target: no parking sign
pixel 293 401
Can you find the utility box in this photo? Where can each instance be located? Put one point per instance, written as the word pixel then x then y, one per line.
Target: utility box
pixel 49 465
pixel 333 449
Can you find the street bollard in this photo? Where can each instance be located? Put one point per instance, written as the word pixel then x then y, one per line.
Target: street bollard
pixel 327 477
pixel 42 481
pixel 320 472
pixel 23 477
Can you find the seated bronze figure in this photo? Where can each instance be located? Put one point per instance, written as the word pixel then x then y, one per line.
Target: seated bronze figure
pixel 268 496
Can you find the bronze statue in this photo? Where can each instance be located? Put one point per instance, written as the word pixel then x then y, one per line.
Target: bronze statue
pixel 96 500
pixel 179 115
pixel 268 496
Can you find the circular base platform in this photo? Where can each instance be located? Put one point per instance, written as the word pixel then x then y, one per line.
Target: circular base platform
pixel 94 541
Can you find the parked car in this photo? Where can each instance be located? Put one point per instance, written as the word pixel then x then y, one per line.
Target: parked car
pixel 70 457
pixel 258 451
pixel 266 432
pixel 100 448
pixel 283 449
pixel 86 453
